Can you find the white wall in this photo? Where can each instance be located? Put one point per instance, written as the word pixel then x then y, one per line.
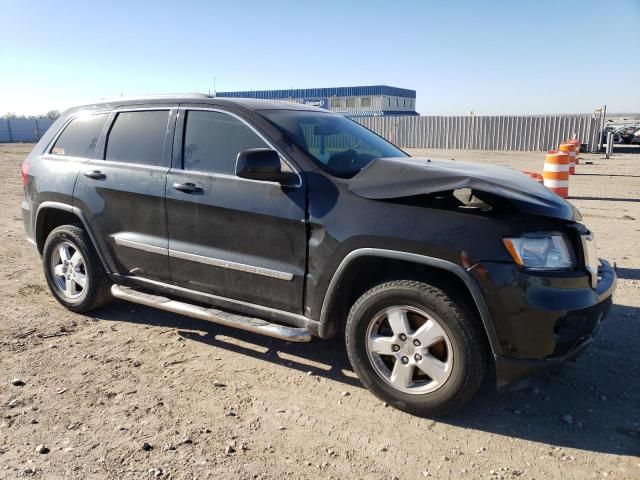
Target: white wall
pixel 378 102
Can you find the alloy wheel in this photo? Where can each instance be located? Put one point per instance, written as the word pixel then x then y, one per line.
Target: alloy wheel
pixel 68 269
pixel 409 349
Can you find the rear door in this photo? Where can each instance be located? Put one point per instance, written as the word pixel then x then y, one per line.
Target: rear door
pixel 54 174
pixel 121 190
pixel 236 238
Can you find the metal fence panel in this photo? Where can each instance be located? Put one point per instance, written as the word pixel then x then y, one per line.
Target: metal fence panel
pixel 534 133
pixel 505 132
pixel 23 129
pixel 5 136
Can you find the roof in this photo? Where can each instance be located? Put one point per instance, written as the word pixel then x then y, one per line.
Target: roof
pixel 251 103
pixel 323 92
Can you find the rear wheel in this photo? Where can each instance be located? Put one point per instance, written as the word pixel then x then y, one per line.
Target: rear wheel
pixel 74 271
pixel 415 348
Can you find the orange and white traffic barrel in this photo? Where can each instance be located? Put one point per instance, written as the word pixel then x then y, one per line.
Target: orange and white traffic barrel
pixel 556 172
pixel 570 149
pixel 576 143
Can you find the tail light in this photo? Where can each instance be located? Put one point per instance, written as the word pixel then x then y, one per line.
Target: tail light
pixel 25 172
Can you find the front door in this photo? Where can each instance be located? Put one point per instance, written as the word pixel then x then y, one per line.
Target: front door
pixel 121 190
pixel 232 237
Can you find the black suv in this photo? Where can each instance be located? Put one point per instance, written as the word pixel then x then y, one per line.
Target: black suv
pixel 291 221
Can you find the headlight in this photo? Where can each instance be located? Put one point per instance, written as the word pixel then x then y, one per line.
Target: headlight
pixel 542 251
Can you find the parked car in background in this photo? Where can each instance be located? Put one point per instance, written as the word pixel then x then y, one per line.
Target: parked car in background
pixel 622 134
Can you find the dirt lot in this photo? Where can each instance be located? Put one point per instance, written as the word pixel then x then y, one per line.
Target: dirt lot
pixel 213 402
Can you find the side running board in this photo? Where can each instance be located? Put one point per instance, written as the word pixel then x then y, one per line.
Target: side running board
pixel 214 315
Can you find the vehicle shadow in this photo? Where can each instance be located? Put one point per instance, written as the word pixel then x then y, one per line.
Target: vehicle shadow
pixel 605 175
pixel 325 358
pixel 608 199
pixel 593 404
pixel 626 149
pixel 628 273
pixel 620 149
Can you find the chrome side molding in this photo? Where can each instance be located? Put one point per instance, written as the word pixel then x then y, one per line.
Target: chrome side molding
pixel 192 257
pixel 241 267
pixel 250 324
pixel 145 247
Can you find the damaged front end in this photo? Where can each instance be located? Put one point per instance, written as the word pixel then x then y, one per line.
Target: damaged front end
pixel 547 296
pixel 452 184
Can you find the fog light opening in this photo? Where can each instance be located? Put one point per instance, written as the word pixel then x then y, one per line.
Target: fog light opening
pixel 569 327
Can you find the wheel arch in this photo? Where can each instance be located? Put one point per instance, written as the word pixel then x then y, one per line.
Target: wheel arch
pixel 330 318
pixel 51 215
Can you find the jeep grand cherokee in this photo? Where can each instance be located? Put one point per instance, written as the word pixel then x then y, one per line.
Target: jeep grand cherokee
pixel 291 221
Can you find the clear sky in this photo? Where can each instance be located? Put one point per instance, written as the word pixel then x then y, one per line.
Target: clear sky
pixel 491 57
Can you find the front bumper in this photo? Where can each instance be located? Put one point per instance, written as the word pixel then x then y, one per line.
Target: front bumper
pixel 542 319
pixel 509 370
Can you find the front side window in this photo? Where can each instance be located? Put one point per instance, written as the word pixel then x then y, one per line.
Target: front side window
pixel 212 141
pixel 338 145
pixel 138 137
pixel 80 136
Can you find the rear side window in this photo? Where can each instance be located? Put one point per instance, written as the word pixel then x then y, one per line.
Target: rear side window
pixel 138 137
pixel 80 136
pixel 212 141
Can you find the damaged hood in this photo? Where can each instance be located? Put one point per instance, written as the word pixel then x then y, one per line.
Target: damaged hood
pixel 386 178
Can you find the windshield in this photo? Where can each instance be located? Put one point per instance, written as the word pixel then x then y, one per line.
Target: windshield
pixel 339 145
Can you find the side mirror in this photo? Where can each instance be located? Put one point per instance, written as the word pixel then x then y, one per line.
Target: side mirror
pixel 262 164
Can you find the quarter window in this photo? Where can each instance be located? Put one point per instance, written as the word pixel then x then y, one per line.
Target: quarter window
pixel 80 136
pixel 212 141
pixel 138 137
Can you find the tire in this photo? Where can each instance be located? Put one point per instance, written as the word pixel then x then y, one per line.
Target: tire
pixel 451 347
pixel 82 284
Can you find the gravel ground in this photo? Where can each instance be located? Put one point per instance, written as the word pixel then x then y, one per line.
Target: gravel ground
pixel 131 392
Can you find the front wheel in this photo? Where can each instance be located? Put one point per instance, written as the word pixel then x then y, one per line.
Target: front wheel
pixel 415 348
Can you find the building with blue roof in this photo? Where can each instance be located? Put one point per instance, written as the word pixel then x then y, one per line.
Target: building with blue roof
pixel 363 101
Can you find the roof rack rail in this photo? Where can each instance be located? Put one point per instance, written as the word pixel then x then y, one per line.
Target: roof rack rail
pixel 161 95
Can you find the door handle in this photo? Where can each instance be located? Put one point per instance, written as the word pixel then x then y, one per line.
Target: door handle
pixel 95 174
pixel 187 187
